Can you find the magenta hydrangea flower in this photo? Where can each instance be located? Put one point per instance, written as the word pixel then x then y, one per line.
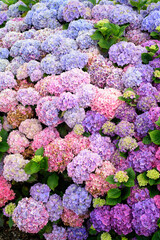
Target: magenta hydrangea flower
pixel 137 195
pixel 30 215
pixel 121 217
pixel 6 193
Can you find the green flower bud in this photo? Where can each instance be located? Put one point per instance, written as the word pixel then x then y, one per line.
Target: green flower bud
pixel 121 176
pixel 153 174
pixel 141 180
pixel 98 202
pixel 37 158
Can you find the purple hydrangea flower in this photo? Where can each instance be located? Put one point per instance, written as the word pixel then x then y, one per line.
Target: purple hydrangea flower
pixel 58 233
pixel 77 199
pixel 4 53
pixel 126 113
pixel 84 40
pixel 67 100
pixel 28 96
pixel 7 80
pixel 40 192
pixel 152 21
pixel 145 103
pixel 30 50
pixel 124 128
pixel 143 124
pixel 78 25
pixel 142 159
pixel 77 233
pixel 74 116
pixel 73 10
pixel 54 207
pixel 121 217
pixel 82 165
pixel 93 121
pixel 145 215
pixel 3 17
pixel 101 145
pixel 85 93
pixel 101 219
pixel 124 53
pixel 137 195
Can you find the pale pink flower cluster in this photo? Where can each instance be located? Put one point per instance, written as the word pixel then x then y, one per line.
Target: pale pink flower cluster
pixel 14 168
pixel 17 142
pixel 11 37
pixel 8 100
pixel 30 127
pixel 44 137
pixel 106 102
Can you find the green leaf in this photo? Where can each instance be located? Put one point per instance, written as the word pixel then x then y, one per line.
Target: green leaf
pixel 125 193
pixel 1 220
pixel 114 193
pixel 122 98
pixel 10 222
pixel 32 167
pixel 146 140
pixel 151 182
pixel 155 136
pixel 110 179
pixel 40 151
pixel 44 164
pixel 26 2
pixel 1 119
pixel 154 35
pixel 156 235
pixel 33 178
pixel 97 35
pixel 4 135
pixel 92 231
pixel 112 201
pixel 123 154
pixel 158 122
pixel 86 134
pixel 1 156
pixel 129 183
pixel 131 174
pixel 121 30
pixel 52 181
pixel 4 147
pixel 65 26
pixel 93 2
pixel 146 57
pixel 23 8
pixel 153 190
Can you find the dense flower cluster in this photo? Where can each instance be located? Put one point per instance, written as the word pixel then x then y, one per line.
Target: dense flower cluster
pixel 6 193
pixel 40 192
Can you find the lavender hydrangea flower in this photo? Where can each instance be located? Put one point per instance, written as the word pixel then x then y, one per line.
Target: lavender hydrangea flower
pixel 124 129
pixel 77 199
pixel 40 192
pixel 143 124
pixel 78 25
pixel 58 233
pixel 142 159
pixel 4 53
pixel 30 50
pixel 67 100
pixel 101 218
pixel 74 116
pixel 77 233
pixel 93 121
pixel 51 65
pixel 7 80
pixel 150 22
pixel 101 145
pixel 145 103
pixel 124 53
pixel 126 113
pixel 58 45
pixel 74 59
pixel 121 217
pixel 84 40
pixel 28 96
pixel 82 165
pixel 54 207
pixel 3 17
pixel 3 65
pixel 30 216
pixel 145 215
pixel 73 10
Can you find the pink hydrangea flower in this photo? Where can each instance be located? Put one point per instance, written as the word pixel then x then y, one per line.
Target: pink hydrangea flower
pixel 30 127
pixel 6 193
pixel 8 100
pixel 17 142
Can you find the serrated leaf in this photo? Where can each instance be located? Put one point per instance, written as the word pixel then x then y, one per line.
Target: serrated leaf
pixel 131 174
pixel 129 183
pixel 155 136
pixel 114 193
pixel 32 167
pixel 158 122
pixel 10 222
pixel 151 182
pixel 146 57
pixel 125 193
pixel 23 8
pixel 4 147
pixel 4 135
pixel 146 140
pixel 96 35
pixel 52 181
pixel 110 179
pixel 40 151
pixel 112 201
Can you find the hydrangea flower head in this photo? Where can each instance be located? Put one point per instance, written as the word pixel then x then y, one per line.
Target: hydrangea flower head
pixel 121 176
pixel 9 209
pixel 153 174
